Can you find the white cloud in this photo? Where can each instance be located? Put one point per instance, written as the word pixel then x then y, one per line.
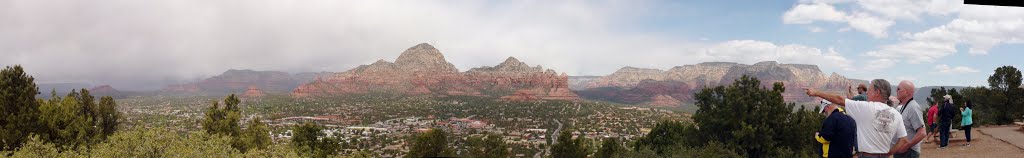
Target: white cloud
pixel 978 27
pixel 816 29
pixel 808 13
pixel 872 25
pixel 879 65
pixel 750 51
pixel 864 22
pixel 910 9
pixel 946 69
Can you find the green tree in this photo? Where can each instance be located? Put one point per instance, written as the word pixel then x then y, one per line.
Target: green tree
pixel 223 120
pixel 983 100
pixel 257 136
pixel 309 140
pixel 433 143
pixel 1006 82
pixel 610 148
pixel 108 116
pixel 754 119
pixel 566 147
pixel 160 142
pixel 665 136
pixel 63 122
pixel 19 109
pixel 488 146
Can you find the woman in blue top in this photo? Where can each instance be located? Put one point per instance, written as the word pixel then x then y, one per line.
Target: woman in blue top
pixel 966 122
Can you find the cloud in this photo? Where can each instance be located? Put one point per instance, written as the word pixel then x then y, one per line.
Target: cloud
pixel 808 13
pixel 946 69
pixel 872 25
pixel 978 27
pixel 750 51
pixel 144 45
pixel 147 44
pixel 878 65
pixel 816 29
pixel 910 9
pixel 860 21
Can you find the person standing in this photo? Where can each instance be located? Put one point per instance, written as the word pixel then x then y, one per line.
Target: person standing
pixel 912 121
pixel 967 121
pixel 946 113
pixel 877 124
pixel 932 111
pixel 861 93
pixel 837 133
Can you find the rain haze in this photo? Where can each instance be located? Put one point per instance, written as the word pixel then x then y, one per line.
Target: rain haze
pixel 145 45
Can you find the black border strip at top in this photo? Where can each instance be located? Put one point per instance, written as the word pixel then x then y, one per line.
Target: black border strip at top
pixel 1015 3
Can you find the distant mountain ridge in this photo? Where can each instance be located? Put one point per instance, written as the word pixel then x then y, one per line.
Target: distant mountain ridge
pixel 423 70
pixel 239 81
pixel 637 85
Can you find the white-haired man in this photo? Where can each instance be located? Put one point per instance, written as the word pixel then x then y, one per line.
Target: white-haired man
pixel 878 125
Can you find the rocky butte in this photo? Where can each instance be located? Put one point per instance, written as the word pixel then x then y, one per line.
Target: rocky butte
pixel 253 92
pixel 423 70
pixel 668 87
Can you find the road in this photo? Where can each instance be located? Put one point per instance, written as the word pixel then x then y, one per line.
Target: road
pixel 554 139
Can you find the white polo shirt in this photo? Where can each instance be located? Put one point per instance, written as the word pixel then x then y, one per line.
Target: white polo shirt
pixel 877 125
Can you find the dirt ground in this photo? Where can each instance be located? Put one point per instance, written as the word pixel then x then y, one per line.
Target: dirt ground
pixel 984 144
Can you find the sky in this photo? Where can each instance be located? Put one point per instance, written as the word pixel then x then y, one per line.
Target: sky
pixel 144 45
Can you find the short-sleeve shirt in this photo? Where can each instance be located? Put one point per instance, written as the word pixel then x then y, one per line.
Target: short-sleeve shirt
pixel 912 120
pixel 877 125
pixel 860 97
pixel 934 110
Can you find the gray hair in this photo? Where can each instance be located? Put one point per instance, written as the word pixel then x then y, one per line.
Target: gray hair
pixel 884 89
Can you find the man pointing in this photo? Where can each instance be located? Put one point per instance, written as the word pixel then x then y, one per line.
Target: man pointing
pixel 878 125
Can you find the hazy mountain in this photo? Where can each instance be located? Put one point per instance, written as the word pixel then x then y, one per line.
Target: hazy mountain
pixel 627 84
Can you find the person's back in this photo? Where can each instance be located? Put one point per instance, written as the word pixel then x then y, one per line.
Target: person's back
pixel 840 131
pixel 932 111
pixel 947 113
pixel 966 117
pixel 877 125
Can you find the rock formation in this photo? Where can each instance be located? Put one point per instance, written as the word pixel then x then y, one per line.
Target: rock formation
pixel 107 90
pixel 680 82
pixel 253 92
pixel 423 70
pixel 664 101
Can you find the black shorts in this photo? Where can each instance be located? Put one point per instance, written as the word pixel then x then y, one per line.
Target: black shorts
pixel 932 127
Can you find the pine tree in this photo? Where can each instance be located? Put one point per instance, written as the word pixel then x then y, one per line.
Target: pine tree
pixel 566 147
pixel 309 141
pixel 433 143
pixel 488 146
pixel 108 116
pixel 223 120
pixel 1006 83
pixel 257 136
pixel 19 109
pixel 610 148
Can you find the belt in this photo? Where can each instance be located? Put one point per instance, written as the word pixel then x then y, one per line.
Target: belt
pixel 871 154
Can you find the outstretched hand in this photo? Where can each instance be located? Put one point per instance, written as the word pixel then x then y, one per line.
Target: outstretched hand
pixel 810 92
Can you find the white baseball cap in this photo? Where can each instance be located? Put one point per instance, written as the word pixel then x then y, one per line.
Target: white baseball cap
pixel 824 103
